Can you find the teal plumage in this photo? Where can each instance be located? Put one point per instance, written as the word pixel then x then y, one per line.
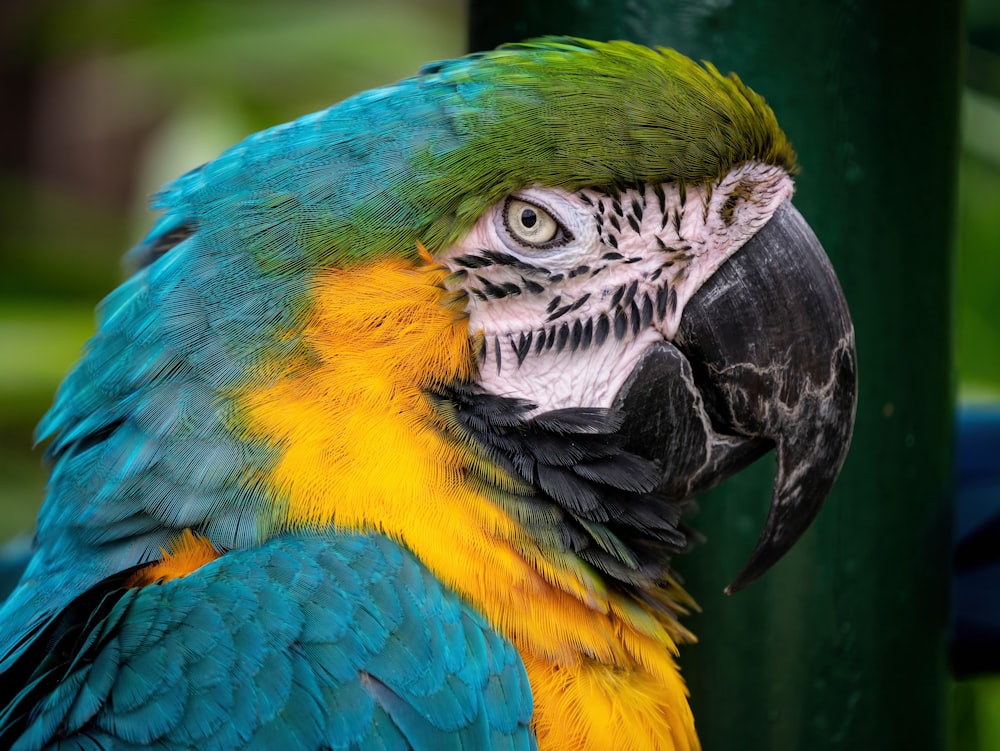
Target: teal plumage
pixel 255 650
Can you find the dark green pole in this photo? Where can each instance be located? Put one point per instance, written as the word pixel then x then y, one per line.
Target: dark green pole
pixel 842 645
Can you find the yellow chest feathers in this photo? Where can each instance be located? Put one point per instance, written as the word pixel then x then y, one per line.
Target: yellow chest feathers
pixel 363 449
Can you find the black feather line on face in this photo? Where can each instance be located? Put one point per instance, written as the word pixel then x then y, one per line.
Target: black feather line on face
pixel 521 347
pixel 588 334
pixel 559 313
pixel 562 337
pixel 496 352
pixel 621 324
pixel 617 297
pixel 634 317
pixel 646 314
pixel 601 330
pixel 539 341
pixel 472 261
pixel 637 209
pixel 575 336
pixel 533 287
pixel 630 293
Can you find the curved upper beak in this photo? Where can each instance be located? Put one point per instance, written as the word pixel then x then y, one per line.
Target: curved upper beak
pixel 764 358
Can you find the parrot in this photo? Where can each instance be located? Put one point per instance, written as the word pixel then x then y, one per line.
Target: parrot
pixel 390 439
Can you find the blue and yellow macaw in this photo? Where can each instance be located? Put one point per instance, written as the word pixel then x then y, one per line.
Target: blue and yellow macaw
pixel 387 441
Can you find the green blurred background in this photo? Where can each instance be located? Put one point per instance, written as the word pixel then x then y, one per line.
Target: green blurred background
pixel 104 100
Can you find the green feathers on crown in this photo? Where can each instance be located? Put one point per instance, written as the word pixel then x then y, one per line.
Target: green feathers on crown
pixel 574 113
pixel 420 160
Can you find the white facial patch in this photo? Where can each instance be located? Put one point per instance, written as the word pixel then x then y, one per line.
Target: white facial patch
pixel 565 313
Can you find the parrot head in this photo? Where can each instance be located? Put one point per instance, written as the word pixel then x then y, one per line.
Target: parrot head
pixel 513 312
pixel 619 227
pixel 706 315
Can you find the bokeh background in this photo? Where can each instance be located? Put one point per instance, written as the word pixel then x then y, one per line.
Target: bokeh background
pixel 104 100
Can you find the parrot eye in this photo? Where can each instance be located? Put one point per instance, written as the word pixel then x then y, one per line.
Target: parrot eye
pixel 532 225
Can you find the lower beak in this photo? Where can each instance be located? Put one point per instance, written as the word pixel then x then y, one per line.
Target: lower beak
pixel 764 358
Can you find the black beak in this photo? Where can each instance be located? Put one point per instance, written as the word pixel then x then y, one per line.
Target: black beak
pixel 764 358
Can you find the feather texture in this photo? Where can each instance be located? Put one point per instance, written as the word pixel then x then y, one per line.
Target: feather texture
pixel 305 642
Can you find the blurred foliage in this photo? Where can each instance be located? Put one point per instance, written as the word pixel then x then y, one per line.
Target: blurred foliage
pixel 976 714
pixel 977 282
pixel 116 97
pixel 977 278
pixel 107 99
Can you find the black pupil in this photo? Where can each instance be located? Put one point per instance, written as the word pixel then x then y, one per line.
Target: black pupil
pixel 529 218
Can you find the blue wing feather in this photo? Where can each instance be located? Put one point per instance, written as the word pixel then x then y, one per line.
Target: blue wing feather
pixel 307 642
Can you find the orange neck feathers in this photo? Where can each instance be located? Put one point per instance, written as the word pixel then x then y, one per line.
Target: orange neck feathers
pixel 186 552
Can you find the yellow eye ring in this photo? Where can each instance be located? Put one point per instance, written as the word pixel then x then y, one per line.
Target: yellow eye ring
pixel 532 225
